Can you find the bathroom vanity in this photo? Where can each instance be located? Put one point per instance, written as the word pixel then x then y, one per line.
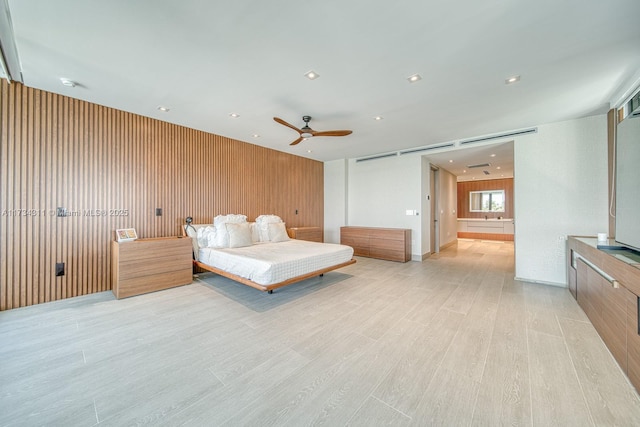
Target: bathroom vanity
pixel 487 229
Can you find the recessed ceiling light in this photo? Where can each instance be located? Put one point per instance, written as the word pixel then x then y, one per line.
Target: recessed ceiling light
pixel 378 118
pixel 512 79
pixel 67 82
pixel 464 171
pixel 311 75
pixel 493 155
pixel 255 135
pixel 414 78
pixel 309 151
pixel 498 167
pixel 234 115
pixel 450 161
pixel 163 109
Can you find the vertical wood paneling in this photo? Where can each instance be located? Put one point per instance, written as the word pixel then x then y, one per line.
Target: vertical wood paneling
pixel 60 152
pixel 465 187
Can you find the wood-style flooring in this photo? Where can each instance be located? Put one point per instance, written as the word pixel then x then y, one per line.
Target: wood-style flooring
pixel 451 341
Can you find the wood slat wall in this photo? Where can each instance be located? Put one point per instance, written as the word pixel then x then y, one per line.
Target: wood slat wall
pixel 62 152
pixel 465 187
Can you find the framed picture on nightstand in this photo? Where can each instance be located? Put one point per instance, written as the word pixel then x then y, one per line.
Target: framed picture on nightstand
pixel 126 235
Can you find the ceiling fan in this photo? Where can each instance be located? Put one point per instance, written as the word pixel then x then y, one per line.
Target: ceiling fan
pixel 307 132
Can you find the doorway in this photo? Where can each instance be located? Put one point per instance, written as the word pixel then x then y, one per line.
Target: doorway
pixel 433 201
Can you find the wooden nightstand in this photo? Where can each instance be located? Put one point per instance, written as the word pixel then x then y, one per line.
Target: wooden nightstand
pixel 148 265
pixel 312 234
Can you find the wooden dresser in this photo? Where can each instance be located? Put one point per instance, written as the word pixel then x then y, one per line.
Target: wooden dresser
pixel 312 234
pixel 607 288
pixel 393 244
pixel 148 265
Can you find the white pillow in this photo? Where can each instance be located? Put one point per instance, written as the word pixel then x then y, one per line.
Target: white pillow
pixel 204 234
pixel 212 240
pixel 263 222
pixel 268 219
pixel 278 232
pixel 222 235
pixel 221 219
pixel 255 232
pixel 239 234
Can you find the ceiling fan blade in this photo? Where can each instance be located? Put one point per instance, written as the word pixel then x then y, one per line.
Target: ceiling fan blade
pixel 333 133
pixel 297 141
pixel 282 122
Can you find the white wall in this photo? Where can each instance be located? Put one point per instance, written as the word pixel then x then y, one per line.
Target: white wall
pixel 380 193
pixel 335 199
pixel 560 188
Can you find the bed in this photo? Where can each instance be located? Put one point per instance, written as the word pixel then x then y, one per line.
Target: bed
pixel 265 263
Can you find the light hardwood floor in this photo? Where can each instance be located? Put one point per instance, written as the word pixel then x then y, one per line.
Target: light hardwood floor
pixel 450 341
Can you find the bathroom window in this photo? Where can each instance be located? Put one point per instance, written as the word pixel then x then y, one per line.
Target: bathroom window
pixel 486 201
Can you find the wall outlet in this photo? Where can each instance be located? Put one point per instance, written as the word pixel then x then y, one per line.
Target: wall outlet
pixel 158 211
pixel 59 269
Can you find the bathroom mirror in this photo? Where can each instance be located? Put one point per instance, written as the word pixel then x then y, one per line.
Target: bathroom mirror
pixel 486 201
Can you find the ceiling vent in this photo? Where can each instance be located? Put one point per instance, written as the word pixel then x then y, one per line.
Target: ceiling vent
pixel 381 156
pixel 481 165
pixel 499 136
pixel 429 148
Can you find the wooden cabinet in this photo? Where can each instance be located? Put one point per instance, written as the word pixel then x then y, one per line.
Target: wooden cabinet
pixel 491 229
pixel 606 308
pixel 633 340
pixel 605 288
pixel 312 234
pixel 147 265
pixel 393 244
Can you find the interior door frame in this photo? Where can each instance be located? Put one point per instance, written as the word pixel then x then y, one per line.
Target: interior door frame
pixel 434 225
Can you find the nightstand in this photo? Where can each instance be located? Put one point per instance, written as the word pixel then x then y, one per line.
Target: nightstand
pixel 312 234
pixel 148 265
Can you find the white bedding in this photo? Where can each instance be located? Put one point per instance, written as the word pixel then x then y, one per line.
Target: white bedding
pixel 269 263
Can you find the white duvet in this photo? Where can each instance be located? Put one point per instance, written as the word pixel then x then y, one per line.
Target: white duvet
pixel 269 263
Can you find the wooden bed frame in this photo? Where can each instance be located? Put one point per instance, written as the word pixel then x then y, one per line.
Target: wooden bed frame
pixel 271 287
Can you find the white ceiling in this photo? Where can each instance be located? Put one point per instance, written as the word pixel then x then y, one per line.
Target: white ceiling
pixel 206 59
pixel 499 158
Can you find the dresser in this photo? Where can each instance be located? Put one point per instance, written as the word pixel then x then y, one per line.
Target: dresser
pixel 148 265
pixel 312 234
pixel 393 244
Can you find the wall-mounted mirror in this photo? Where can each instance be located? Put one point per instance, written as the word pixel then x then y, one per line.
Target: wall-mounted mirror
pixel 486 201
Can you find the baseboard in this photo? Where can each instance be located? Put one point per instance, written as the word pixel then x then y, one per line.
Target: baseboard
pixel 541 282
pixel 420 258
pixel 451 243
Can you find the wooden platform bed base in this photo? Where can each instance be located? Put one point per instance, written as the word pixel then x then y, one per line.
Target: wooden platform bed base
pixel 271 287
